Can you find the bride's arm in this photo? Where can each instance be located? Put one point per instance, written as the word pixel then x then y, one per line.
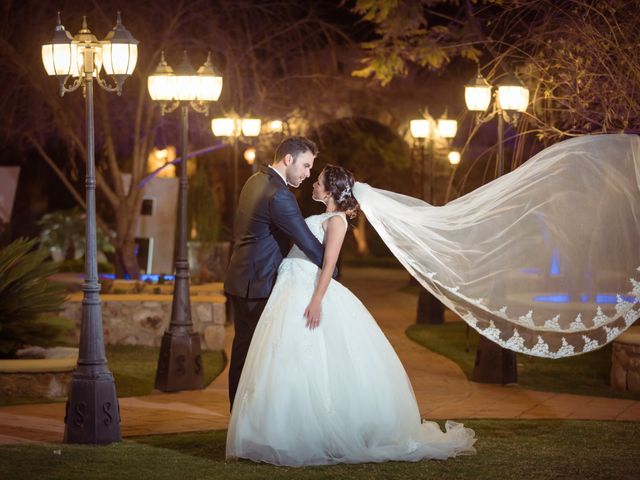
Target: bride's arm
pixel 336 228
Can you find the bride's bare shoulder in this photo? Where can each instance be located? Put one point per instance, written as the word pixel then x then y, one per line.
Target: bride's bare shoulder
pixel 336 221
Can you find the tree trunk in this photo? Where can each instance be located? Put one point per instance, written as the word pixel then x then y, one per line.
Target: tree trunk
pixel 126 261
pixel 360 234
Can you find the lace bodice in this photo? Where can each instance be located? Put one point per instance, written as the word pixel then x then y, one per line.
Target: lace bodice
pixel 314 222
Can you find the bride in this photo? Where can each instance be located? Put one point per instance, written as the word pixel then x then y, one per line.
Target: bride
pixel 321 384
pixel 543 261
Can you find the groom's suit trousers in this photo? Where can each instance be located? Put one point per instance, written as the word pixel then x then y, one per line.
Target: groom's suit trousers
pixel 247 312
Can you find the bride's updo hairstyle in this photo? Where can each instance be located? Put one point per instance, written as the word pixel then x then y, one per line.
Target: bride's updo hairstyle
pixel 339 182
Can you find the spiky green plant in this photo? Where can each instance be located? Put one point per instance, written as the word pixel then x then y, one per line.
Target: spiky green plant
pixel 26 295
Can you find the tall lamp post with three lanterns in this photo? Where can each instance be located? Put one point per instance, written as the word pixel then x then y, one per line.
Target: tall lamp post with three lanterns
pixel 92 411
pixel 234 128
pixel 426 130
pixel 180 360
pixel 493 363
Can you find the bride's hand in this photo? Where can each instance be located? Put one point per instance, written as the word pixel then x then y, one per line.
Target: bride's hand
pixel 312 314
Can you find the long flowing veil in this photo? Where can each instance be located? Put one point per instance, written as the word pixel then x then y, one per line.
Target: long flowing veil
pixel 544 260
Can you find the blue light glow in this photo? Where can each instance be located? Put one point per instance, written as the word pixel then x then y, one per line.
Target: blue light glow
pixel 531 271
pixel 557 298
pixel 608 298
pixel 554 269
pixel 146 277
pixel 599 297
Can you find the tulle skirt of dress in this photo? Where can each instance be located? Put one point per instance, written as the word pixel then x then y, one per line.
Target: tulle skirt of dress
pixel 336 394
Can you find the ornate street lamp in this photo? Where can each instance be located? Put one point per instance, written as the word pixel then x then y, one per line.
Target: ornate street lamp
pixel 119 53
pixel 234 128
pixel 162 83
pixel 180 360
pixel 477 94
pixel 512 98
pixel 427 130
pixel 276 126
pixel 60 55
pixel 251 127
pixel 209 82
pixel 447 128
pixel 223 127
pixel 92 411
pixel 493 363
pixel 512 95
pixel 422 130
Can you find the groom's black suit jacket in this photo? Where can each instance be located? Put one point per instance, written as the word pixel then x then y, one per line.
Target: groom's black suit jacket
pixel 267 220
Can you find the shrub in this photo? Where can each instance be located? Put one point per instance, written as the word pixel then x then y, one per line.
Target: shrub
pixel 64 230
pixel 26 295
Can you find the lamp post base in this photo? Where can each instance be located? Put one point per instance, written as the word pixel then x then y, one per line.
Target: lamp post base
pixel 430 310
pixel 494 364
pixel 92 411
pixel 179 363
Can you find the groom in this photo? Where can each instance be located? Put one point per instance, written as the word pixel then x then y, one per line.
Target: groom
pixel 267 220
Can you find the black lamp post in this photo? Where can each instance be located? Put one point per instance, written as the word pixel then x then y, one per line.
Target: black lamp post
pixel 493 363
pixel 234 128
pixel 180 361
pixel 426 131
pixel 92 411
pixel 421 131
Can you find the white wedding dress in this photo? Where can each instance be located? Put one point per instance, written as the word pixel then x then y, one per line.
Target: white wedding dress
pixel 336 394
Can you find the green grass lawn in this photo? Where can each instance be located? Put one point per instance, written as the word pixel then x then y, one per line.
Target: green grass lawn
pixel 586 374
pixel 134 367
pixel 134 370
pixel 507 449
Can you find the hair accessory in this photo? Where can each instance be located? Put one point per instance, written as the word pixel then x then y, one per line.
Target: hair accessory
pixel 345 194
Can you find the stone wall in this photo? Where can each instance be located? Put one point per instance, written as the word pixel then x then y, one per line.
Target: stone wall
pixel 45 384
pixel 625 362
pixel 141 319
pixel 38 372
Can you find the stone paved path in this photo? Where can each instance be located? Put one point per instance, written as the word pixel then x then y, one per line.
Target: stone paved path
pixel 441 388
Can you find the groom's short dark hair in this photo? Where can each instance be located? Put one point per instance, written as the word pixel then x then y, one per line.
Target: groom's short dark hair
pixel 295 146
